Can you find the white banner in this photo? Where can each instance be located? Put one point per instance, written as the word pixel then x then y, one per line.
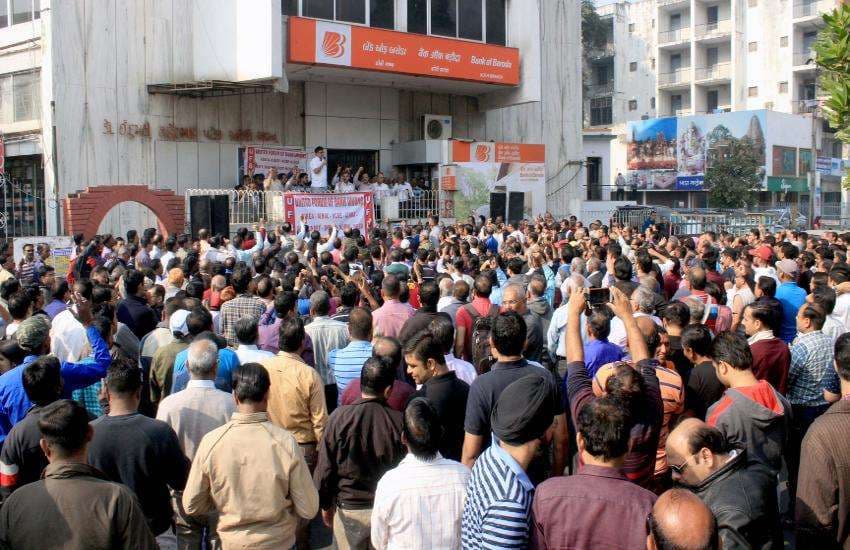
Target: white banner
pixel 259 160
pixel 322 211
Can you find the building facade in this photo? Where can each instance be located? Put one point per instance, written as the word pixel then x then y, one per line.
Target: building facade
pixel 166 94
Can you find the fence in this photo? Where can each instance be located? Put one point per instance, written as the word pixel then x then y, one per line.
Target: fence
pixel 253 207
pixel 23 208
pixel 694 222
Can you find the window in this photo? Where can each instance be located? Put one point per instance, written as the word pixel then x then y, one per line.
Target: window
pixel 600 111
pixel 711 56
pixel 675 103
pixel 711 101
pixel 21 11
pixel 470 19
pixel 675 62
pixel 20 97
pixel 783 41
pixel 783 87
pixel 496 22
pixel 753 46
pixel 602 74
pixel 675 21
pixel 633 105
pixel 711 15
pixel 753 91
pixel 321 9
pixel 289 7
pixel 352 11
pixel 652 103
pixel 652 62
pixel 653 23
pixel 382 14
pixel 444 17
pixel 417 16
pixel 632 66
pixel 13 12
pixel 631 27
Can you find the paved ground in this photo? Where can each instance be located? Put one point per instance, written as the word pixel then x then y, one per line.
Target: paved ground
pixel 321 538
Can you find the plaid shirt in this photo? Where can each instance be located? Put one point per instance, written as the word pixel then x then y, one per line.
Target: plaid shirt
pixel 244 305
pixel 811 364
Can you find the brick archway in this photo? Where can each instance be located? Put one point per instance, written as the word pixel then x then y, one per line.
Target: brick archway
pixel 84 210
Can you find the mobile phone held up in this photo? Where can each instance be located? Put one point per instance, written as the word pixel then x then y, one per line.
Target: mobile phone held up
pixel 597 297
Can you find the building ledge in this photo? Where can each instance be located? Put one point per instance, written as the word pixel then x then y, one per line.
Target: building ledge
pixel 210 88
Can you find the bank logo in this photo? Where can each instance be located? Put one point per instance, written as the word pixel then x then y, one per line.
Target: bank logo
pixel 482 153
pixel 333 43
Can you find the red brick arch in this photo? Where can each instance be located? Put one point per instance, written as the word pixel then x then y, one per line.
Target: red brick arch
pixel 85 210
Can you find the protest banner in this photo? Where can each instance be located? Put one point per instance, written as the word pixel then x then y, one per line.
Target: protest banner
pixel 61 249
pixel 259 160
pixel 322 211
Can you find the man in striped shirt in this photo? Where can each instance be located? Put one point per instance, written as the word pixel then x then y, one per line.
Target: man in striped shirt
pixel 346 363
pixel 498 500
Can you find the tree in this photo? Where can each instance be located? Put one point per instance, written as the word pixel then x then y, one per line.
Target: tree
pixel 734 178
pixel 594 32
pixel 832 54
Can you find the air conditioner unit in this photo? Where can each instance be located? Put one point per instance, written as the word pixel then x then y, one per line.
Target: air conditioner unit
pixel 436 127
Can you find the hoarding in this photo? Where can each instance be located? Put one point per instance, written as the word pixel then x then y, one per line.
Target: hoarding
pixel 323 211
pixel 259 160
pixel 61 250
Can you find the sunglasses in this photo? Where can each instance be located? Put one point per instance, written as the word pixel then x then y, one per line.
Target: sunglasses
pixel 678 469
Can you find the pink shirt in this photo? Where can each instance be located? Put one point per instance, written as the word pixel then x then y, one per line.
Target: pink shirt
pixel 388 319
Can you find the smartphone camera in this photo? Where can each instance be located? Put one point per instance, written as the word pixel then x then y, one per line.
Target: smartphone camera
pixel 598 297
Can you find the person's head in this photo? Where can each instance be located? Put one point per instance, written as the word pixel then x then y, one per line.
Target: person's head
pixel 360 324
pixel 603 430
pixel 424 356
pixel 810 317
pixel 696 343
pixel 19 305
pixel 765 286
pixel 42 380
pixel 731 356
pixel 823 296
pixel 643 300
pixel 429 295
pixel 787 269
pixel 284 304
pixel 246 330
pixel 291 334
pixel 842 358
pixel 423 430
pixel 202 359
pixel 134 282
pixel 459 290
pixel 443 329
pixel 11 355
pixel 320 304
pixel 65 431
pixel 758 316
pixel 696 308
pixel 508 334
pixel 514 299
pixel 524 412
pixel 251 387
pixel 676 315
pixel 388 350
pixel 390 287
pixel 123 383
pixel 622 269
pixel 482 286
pixel 33 335
pixel 650 332
pixel 319 151
pixel 695 450
pixel 681 521
pixel 599 324
pixel 241 278
pixel 376 378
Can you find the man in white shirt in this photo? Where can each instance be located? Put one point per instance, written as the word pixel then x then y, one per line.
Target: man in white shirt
pixel 404 190
pixel 68 340
pixel 319 169
pixel 442 327
pixel 247 334
pixel 419 503
pixel 192 413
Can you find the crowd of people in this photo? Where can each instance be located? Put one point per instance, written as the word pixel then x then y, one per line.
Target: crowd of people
pixel 482 384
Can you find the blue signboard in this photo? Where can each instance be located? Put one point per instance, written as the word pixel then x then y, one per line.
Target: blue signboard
pixel 689 183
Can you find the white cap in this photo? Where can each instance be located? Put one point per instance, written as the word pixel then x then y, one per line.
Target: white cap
pixel 177 322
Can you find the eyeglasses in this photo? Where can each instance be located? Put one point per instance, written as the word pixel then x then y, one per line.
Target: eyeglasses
pixel 678 469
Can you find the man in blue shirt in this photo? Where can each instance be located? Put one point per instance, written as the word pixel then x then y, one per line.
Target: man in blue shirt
pixel 227 363
pixel 33 336
pixel 346 363
pixel 790 296
pixel 598 350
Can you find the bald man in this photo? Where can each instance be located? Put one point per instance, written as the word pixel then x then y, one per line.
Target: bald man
pixel 740 493
pixel 514 299
pixel 680 520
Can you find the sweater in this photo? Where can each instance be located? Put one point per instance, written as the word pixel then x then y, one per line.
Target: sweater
pixel 771 361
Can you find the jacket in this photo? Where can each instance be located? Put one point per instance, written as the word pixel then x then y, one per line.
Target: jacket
pixel 754 417
pixel 823 486
pixel 771 361
pixel 74 506
pixel 742 497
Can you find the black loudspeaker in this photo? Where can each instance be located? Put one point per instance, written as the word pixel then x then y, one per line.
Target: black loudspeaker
pixel 497 205
pixel 211 213
pixel 516 205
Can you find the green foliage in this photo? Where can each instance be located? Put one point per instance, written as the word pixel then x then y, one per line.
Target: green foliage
pixel 832 53
pixel 734 179
pixel 593 29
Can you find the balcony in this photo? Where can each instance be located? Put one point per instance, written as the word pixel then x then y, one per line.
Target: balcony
pixel 804 60
pixel 595 90
pixel 680 78
pixel 674 36
pixel 601 52
pixel 812 8
pixel 804 106
pixel 718 29
pixel 719 71
pixel 672 3
pixel 718 109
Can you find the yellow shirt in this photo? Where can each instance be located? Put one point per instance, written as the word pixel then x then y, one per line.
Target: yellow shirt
pixel 296 397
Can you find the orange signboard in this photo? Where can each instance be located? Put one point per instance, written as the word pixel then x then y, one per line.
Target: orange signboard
pixel 315 42
pixel 464 151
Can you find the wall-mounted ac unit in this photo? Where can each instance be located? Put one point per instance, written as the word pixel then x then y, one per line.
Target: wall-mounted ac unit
pixel 436 127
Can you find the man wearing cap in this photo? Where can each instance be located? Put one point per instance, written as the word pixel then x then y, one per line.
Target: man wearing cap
pixel 790 296
pixel 33 337
pixel 761 263
pixel 162 363
pixel 498 499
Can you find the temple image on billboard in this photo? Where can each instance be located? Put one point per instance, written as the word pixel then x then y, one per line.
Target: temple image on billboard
pixel 652 145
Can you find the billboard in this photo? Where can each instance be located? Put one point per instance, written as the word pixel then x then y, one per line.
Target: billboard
pixel 324 211
pixel 674 153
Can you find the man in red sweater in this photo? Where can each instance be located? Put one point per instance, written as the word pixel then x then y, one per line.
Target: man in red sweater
pixel 771 357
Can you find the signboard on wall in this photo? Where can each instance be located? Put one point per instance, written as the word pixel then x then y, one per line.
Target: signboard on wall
pixel 323 211
pixel 786 184
pixel 259 160
pixel 831 166
pixel 315 42
pixel 61 250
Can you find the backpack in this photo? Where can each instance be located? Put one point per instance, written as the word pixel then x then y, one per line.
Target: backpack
pixel 479 338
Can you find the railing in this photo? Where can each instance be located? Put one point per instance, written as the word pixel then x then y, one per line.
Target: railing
pixel 718 109
pixel 674 35
pixel 23 208
pixel 718 27
pixel 812 7
pixel 804 106
pixel 805 59
pixel 679 76
pixel 714 72
pixel 599 52
pixel 670 2
pixel 831 210
pixel 601 89
pixel 253 207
